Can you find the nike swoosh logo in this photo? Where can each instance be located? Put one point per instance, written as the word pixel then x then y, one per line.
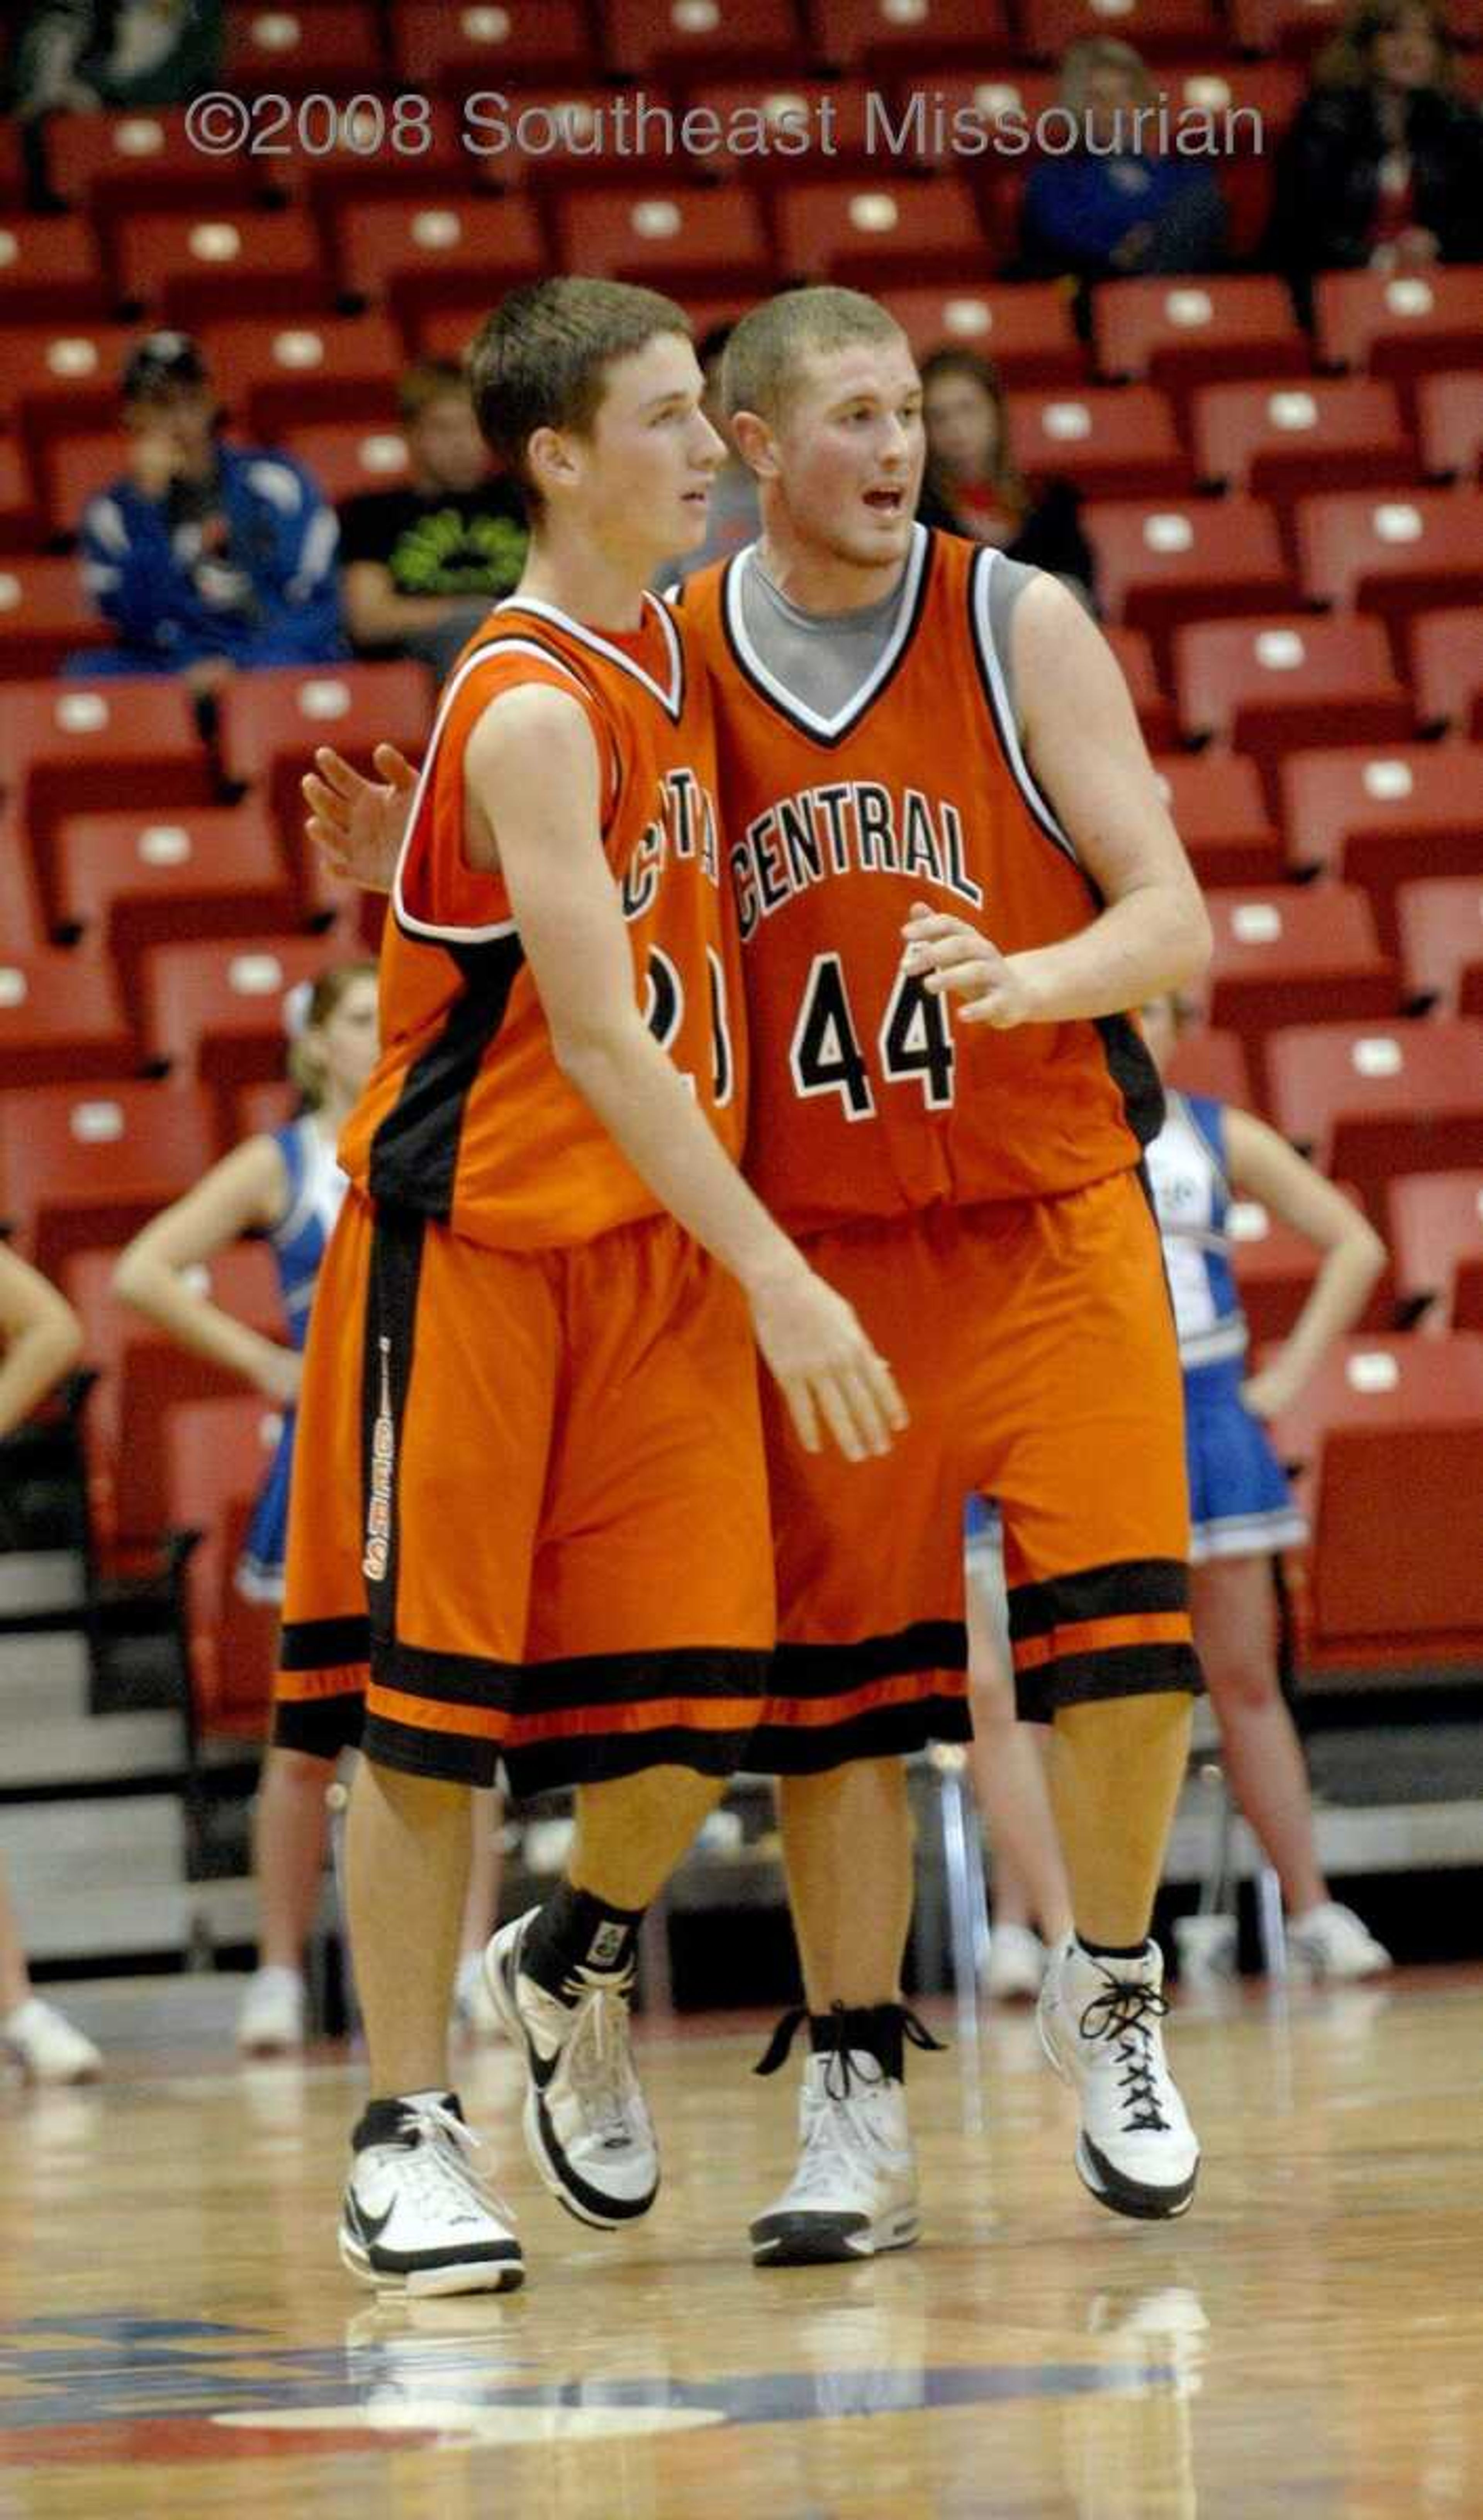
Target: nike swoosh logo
pixel 368 2226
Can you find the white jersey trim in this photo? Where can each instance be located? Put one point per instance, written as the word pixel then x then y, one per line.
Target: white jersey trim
pixel 672 701
pixel 880 672
pixel 982 582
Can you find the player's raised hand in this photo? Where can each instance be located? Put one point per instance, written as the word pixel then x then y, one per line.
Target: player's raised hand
pixel 358 824
pixel 953 959
pixel 813 1343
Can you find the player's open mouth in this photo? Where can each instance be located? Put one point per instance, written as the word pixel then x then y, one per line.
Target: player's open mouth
pixel 886 502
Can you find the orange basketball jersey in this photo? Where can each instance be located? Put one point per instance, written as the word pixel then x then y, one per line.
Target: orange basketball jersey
pixel 866 1100
pixel 467 1117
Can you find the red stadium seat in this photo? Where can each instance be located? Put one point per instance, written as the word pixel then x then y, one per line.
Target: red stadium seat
pixel 472 48
pixel 1402 325
pixel 1437 1225
pixel 1260 99
pixel 116 742
pixel 1155 708
pixel 85 1166
pixel 1113 441
pixel 1441 923
pixel 277 377
pixel 1279 438
pixel 1185 332
pixel 217 1455
pixel 1295 953
pixel 668 40
pixel 1275 1270
pixel 12 176
pixel 935 119
pixel 62 1018
pixel 188 267
pixel 1026 330
pixel 1154 27
pixel 1373 1099
pixel 881 36
pixel 72 470
pixel 1162 563
pixel 351 456
pixel 1393 553
pixel 19 515
pixel 889 226
pixel 552 137
pixel 1220 813
pixel 1450 425
pixel 436 248
pixel 111 164
pixel 142 1375
pixel 270 725
pixel 130 880
pixel 213 1010
pixel 1206 1061
pixel 1390 1419
pixel 44 613
pixel 1378 814
pixel 1284 25
pixel 22 930
pixel 1270 686
pixel 59 374
pixel 846 110
pixel 50 272
pixel 677 235
pixel 331 44
pixel 1447 669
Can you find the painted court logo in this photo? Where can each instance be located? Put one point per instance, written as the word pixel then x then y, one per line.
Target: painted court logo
pixel 377 1555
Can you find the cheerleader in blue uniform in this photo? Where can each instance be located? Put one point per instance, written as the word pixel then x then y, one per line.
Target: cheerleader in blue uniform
pixel 1241 1511
pixel 287 1186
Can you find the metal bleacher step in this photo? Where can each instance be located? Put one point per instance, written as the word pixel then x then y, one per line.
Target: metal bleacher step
pixel 39 1582
pixel 99 1879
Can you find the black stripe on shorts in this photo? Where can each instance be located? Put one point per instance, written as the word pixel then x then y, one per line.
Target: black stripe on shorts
pixel 1126 1589
pixel 1118 1671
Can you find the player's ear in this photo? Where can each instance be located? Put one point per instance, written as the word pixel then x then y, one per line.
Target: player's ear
pixel 755 444
pixel 551 460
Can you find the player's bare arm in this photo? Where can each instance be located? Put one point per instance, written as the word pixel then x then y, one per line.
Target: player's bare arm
pixel 1082 742
pixel 1262 1166
pixel 533 782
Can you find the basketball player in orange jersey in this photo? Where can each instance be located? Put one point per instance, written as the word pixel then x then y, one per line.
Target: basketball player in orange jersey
pixel 530 1514
pixel 953 871
pixel 928 756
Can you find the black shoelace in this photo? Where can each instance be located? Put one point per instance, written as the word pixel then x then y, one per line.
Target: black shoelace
pixel 840 2075
pixel 1122 2011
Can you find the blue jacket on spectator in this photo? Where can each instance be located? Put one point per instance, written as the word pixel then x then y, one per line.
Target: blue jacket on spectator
pixel 243 569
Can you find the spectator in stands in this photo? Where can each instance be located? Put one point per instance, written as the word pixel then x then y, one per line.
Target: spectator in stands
pixel 288 1186
pixel 972 484
pixel 1112 207
pixel 735 519
pixel 41 1337
pixel 1383 167
pixel 73 55
pixel 208 558
pixel 423 563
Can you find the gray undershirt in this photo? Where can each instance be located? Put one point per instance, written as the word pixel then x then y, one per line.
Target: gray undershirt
pixel 824 658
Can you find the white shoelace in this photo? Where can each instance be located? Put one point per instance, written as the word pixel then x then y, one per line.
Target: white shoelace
pixel 601 2068
pixel 834 2135
pixel 447 2163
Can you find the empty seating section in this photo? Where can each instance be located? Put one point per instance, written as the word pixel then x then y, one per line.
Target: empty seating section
pixel 1287 524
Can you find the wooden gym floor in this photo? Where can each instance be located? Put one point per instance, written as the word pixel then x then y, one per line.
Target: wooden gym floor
pixel 177 2337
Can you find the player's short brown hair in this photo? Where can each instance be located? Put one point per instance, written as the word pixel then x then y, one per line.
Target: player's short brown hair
pixel 541 359
pixel 762 356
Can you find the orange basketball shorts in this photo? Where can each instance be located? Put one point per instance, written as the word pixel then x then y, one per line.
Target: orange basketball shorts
pixel 528 1517
pixel 1034 1345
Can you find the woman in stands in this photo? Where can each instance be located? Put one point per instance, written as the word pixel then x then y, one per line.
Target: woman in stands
pixel 41 1336
pixel 1241 1512
pixel 1384 167
pixel 972 484
pixel 288 1186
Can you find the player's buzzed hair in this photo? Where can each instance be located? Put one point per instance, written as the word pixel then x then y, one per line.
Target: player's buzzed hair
pixel 541 359
pixel 764 352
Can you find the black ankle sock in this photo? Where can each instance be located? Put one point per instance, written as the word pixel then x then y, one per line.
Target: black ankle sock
pixel 1111 1951
pixel 574 1931
pixel 872 2030
pixel 382 2122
